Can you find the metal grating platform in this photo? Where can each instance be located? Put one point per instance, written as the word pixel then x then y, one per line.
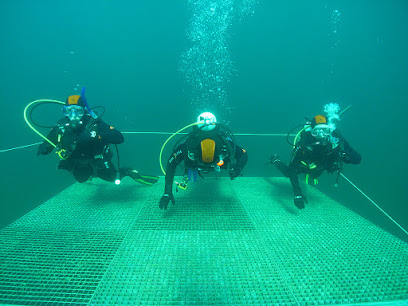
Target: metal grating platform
pixel 240 242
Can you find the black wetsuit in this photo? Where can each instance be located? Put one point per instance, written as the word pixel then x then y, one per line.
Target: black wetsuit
pixel 85 149
pixel 312 156
pixel 189 152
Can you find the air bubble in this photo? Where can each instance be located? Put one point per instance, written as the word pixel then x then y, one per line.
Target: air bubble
pixel 207 64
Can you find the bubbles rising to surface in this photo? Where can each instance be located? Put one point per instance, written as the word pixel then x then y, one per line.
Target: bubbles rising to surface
pixel 335 27
pixel 207 64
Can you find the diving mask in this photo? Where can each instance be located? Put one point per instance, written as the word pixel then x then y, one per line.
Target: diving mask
pixel 321 131
pixel 73 112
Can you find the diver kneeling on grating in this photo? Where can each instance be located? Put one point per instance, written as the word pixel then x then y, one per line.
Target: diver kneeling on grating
pixel 320 147
pixel 209 147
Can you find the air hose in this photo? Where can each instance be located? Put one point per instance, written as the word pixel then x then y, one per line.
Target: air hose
pixel 31 126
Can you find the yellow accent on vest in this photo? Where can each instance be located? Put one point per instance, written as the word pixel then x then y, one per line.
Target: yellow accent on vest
pixel 207 150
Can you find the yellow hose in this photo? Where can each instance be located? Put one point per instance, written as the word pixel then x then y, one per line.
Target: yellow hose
pixel 297 135
pixel 29 124
pixel 168 139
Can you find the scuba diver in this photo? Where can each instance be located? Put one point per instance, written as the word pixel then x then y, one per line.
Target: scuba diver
pixel 209 147
pixel 82 141
pixel 321 147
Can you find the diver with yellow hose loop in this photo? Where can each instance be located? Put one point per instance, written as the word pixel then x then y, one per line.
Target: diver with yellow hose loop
pixel 82 141
pixel 210 147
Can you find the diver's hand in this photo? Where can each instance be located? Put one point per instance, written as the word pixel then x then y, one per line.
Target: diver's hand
pixel 165 199
pixel 272 159
pixel 234 172
pixel 43 149
pixel 345 157
pixel 300 201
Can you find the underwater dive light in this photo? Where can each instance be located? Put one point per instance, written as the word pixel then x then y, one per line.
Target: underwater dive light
pixel 117 179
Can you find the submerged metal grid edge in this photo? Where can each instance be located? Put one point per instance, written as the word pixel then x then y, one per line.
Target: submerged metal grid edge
pixel 308 252
pixel 309 236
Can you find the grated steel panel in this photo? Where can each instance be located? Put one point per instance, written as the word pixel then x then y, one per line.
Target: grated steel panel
pixel 195 214
pixel 225 242
pixel 53 266
pixel 192 267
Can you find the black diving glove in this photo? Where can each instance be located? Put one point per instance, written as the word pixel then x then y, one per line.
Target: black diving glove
pixel 272 159
pixel 165 199
pixel 43 149
pixel 234 172
pixel 345 157
pixel 300 201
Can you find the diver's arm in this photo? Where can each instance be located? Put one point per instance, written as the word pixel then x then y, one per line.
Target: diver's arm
pixel 240 160
pixel 176 157
pixel 349 155
pixel 109 134
pixel 304 139
pixel 299 199
pixel 296 160
pixel 294 180
pixel 46 148
pixel 241 157
pixel 170 173
pixel 292 173
pixel 172 163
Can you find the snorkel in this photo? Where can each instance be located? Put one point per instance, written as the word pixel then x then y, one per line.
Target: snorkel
pixel 88 109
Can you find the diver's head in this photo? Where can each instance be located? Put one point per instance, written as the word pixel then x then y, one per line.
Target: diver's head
pixel 206 121
pixel 74 109
pixel 320 128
